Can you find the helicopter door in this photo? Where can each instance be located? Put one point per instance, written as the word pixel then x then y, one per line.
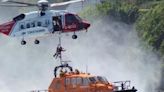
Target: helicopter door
pixel 71 23
pixel 57 23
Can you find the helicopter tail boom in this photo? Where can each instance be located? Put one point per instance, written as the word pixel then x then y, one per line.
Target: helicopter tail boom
pixel 7 27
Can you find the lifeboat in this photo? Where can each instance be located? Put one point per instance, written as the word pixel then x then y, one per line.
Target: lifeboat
pixel 76 81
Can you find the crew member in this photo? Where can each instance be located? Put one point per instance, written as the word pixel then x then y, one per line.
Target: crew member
pixel 59 49
pixel 62 73
pixel 57 24
pixel 122 86
pixel 77 71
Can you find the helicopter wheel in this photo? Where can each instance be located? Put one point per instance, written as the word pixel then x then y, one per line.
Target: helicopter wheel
pixel 23 42
pixel 36 41
pixel 74 36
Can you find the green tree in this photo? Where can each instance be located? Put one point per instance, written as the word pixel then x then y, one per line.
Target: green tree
pixel 151 27
pixel 119 10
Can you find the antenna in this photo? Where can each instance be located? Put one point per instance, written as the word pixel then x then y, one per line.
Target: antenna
pixel 86 68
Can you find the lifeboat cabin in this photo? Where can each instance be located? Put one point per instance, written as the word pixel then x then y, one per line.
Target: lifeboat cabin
pixel 76 81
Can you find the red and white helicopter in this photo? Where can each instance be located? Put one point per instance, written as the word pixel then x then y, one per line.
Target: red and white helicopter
pixel 42 22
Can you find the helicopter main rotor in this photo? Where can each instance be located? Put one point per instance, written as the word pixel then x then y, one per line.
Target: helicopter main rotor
pixel 43 5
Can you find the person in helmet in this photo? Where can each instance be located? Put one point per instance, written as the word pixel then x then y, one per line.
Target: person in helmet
pixel 59 49
pixel 57 24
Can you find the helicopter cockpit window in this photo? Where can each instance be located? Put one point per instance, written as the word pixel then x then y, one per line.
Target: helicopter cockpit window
pixel 78 18
pixel 70 18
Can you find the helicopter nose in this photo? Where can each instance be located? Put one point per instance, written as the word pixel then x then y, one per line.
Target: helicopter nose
pixel 86 25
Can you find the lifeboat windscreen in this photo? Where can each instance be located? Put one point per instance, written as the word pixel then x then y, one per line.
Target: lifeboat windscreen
pixel 92 79
pixel 102 79
pixel 99 79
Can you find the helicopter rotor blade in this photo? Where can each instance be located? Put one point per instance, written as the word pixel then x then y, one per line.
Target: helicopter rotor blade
pixel 65 3
pixel 13 5
pixel 17 2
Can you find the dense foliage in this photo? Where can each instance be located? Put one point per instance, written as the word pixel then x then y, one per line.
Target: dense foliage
pixel 151 27
pixel 121 11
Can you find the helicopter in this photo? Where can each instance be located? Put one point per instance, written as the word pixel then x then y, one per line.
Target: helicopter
pixel 43 22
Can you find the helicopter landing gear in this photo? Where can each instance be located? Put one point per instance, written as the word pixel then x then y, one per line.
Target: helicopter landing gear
pixel 36 41
pixel 74 36
pixel 23 42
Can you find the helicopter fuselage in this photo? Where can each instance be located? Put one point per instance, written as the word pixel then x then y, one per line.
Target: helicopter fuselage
pixel 34 24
